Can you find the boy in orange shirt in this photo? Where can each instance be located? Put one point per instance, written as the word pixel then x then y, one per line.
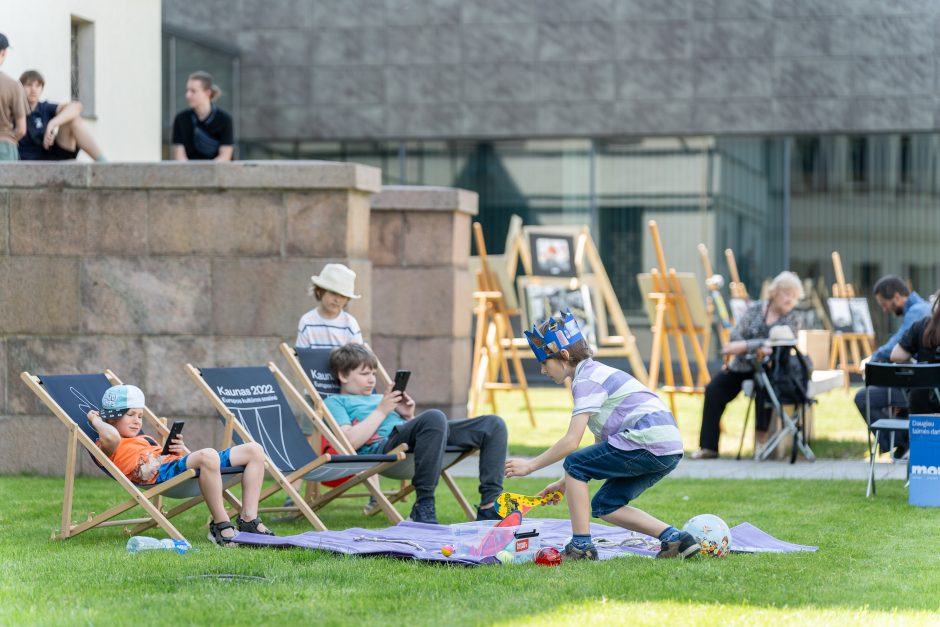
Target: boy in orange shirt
pixel 138 456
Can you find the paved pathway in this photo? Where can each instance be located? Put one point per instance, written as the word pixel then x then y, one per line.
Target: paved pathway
pixel 744 469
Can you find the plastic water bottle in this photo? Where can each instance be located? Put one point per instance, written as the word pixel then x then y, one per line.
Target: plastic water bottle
pixel 145 543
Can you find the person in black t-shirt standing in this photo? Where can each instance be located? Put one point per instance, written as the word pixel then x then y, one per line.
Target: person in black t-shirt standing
pixel 203 131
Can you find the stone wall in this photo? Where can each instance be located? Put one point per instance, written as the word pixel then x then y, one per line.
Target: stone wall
pixel 421 301
pixel 142 268
pixel 362 69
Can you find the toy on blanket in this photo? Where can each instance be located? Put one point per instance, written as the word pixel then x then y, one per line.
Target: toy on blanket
pixel 712 534
pixel 509 502
pixel 495 539
pixel 548 556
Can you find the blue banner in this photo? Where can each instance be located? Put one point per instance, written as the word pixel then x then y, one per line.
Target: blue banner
pixel 925 461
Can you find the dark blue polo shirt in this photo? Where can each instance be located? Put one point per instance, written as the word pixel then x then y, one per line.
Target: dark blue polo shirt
pixel 31 145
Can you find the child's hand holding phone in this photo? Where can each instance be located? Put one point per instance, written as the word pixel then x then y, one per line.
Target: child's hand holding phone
pixel 174 441
pixel 406 408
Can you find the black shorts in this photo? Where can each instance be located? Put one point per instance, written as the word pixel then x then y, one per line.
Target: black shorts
pixel 58 153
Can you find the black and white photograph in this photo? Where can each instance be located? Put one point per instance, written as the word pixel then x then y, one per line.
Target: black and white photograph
pixel 861 316
pixel 545 298
pixel 841 315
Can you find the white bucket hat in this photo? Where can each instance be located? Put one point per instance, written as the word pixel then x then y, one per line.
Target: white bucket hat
pixel 781 335
pixel 336 277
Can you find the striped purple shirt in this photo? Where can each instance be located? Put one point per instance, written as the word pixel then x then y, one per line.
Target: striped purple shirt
pixel 624 412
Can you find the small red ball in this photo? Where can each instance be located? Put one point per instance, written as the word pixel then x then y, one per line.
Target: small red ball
pixel 548 557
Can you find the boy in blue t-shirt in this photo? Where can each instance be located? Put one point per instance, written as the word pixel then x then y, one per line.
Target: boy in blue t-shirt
pixel 376 423
pixel 636 443
pixel 54 132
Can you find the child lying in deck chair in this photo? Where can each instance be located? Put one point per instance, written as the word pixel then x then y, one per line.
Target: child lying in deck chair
pixel 375 424
pixel 139 457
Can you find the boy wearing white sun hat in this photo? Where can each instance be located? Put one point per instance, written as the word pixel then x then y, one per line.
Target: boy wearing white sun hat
pixel 329 324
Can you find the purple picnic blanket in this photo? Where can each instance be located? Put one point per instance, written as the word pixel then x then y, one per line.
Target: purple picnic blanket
pixel 411 540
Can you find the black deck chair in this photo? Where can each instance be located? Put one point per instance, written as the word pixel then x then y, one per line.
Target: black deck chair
pixel 253 408
pixel 312 366
pixel 70 398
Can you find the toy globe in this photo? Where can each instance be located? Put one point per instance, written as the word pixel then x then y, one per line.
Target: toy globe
pixel 548 556
pixel 712 533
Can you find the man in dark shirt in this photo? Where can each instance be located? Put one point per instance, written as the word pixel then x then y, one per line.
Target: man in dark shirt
pixel 54 132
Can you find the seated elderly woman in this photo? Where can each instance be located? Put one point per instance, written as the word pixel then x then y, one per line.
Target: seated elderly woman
pixel 748 336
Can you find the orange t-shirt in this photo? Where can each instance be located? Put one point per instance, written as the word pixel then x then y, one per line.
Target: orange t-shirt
pixel 139 458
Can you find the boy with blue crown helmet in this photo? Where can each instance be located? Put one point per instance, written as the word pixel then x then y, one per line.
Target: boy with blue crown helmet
pixel 637 443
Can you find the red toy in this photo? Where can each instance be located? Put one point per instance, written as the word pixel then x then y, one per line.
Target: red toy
pixel 496 538
pixel 548 557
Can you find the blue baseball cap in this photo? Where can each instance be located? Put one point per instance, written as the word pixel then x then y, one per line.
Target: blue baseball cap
pixel 118 399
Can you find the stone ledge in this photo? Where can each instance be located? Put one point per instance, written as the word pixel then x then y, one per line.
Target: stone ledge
pixel 419 198
pixel 192 175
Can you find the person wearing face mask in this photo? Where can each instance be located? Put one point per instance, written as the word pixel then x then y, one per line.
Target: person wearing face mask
pixel 748 337
pixel 203 131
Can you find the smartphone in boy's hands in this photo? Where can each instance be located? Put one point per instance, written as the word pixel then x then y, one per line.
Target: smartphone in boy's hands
pixel 175 430
pixel 401 380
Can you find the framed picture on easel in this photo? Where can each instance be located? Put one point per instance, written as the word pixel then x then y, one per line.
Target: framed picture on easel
pixel 841 315
pixel 543 297
pixel 861 316
pixel 552 254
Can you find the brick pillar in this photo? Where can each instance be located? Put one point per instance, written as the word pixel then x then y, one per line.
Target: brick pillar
pixel 422 290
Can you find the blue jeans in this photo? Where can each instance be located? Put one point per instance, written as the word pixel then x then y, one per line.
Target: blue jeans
pixel 628 473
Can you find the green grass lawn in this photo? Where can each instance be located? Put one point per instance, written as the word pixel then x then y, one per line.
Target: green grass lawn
pixel 839 428
pixel 877 558
pixel 868 569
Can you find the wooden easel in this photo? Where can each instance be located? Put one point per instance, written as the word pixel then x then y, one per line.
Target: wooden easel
pixel 591 272
pixel 673 320
pixel 493 337
pixel 848 349
pixel 715 282
pixel 736 287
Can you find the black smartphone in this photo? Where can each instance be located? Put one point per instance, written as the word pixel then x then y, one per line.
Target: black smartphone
pixel 174 431
pixel 401 380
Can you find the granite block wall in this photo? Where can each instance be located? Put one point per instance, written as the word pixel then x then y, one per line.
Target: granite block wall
pixel 420 242
pixel 142 268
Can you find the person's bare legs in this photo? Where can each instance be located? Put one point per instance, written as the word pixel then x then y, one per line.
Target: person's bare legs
pixel 75 135
pixel 579 505
pixel 251 456
pixel 210 484
pixel 635 520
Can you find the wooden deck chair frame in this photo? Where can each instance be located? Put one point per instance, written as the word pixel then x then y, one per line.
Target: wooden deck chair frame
pixel 284 481
pixel 325 418
pixel 149 499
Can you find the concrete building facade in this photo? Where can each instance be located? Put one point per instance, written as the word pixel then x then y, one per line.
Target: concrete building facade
pixel 364 69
